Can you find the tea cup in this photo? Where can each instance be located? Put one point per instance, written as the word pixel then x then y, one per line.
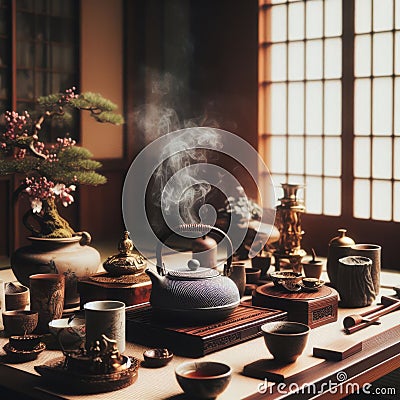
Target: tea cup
pixel 203 379
pixel 285 340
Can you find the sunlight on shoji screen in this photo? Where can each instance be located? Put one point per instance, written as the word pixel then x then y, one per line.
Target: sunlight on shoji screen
pixel 301 97
pixel 377 96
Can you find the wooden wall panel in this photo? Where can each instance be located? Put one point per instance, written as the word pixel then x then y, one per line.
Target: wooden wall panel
pixel 5 218
pixel 100 208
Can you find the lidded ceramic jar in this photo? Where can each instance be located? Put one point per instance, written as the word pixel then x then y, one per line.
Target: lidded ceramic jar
pixel 339 246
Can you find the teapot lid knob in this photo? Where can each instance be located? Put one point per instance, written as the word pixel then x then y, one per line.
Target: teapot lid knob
pixel 193 264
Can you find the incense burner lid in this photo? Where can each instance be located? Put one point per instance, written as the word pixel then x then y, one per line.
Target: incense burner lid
pixel 128 262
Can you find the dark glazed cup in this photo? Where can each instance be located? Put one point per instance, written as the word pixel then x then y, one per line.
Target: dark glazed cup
pixel 253 275
pixel 263 263
pixel 47 298
pixel 16 296
pixel 285 340
pixel 238 275
pixel 20 322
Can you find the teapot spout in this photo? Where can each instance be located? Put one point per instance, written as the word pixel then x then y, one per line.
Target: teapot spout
pixel 156 279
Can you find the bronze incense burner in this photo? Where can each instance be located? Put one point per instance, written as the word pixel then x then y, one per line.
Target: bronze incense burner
pixel 288 222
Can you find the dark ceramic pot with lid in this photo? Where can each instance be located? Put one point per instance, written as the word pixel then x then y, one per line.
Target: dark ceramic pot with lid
pixel 339 247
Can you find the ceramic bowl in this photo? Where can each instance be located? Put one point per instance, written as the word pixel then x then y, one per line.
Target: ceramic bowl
pixel 16 296
pixel 25 342
pixel 68 333
pixel 155 358
pixel 289 277
pixel 20 322
pixel 252 275
pixel 285 340
pixel 21 356
pixel 203 379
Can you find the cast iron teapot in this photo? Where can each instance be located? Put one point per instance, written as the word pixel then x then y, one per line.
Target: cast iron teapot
pixel 197 294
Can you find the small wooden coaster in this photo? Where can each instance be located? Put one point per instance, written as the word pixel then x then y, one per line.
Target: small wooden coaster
pixel 275 371
pixel 338 350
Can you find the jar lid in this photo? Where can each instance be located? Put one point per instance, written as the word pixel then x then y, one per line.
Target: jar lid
pixel 342 239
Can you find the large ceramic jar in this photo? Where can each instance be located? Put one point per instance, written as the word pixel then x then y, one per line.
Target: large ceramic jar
pixel 71 257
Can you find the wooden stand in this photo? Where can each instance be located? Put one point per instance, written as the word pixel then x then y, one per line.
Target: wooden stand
pixel 196 341
pixel 130 294
pixel 314 309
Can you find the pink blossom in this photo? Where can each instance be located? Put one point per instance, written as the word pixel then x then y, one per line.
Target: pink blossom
pixel 67 199
pixel 36 205
pixel 63 193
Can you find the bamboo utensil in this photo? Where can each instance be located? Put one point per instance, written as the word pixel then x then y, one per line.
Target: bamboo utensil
pixel 356 322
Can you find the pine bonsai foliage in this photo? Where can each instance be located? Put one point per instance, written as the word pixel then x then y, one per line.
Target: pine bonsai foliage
pixel 52 170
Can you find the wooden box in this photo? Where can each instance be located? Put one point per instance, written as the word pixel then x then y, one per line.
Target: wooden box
pixel 314 309
pixel 196 341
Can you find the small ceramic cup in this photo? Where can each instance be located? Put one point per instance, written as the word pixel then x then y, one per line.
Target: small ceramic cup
pixel 312 269
pixel 285 340
pixel 47 298
pixel 263 263
pixel 105 317
pixel 16 296
pixel 238 275
pixel 20 322
pixel 252 275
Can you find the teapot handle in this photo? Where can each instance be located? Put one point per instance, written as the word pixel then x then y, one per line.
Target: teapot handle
pixel 201 228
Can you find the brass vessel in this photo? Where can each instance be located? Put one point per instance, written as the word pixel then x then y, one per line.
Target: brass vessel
pixel 288 222
pixel 128 262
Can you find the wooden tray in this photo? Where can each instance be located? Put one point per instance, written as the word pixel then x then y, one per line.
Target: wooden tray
pixel 196 341
pixel 311 308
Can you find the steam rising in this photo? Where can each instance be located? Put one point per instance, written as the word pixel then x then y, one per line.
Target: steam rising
pixel 155 120
pixel 188 190
pixel 158 118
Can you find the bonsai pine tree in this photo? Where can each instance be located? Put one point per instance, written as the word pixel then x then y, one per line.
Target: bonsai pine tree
pixel 51 170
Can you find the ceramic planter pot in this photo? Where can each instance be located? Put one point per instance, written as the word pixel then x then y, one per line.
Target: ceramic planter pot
pixel 71 257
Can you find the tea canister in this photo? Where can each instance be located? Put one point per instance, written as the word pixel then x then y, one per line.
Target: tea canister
pixel 339 246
